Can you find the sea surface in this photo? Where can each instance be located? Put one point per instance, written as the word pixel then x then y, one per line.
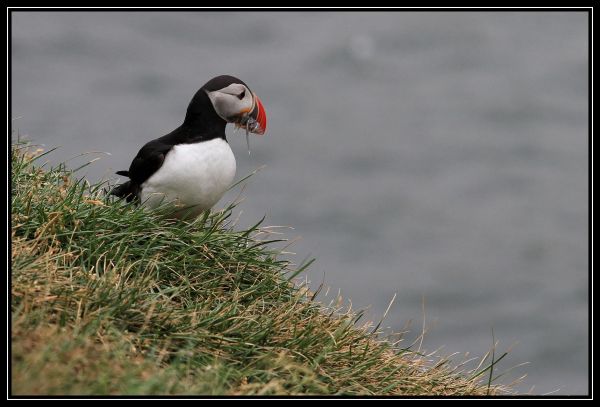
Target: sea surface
pixel 442 157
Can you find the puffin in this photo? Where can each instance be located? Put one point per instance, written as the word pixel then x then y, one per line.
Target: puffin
pixel 193 166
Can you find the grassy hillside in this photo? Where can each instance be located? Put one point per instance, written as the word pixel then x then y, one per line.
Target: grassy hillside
pixel 108 298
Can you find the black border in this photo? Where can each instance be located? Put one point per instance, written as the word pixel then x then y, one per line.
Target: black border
pixel 586 9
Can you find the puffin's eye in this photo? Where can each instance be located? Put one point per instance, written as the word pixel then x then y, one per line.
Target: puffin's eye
pixel 241 95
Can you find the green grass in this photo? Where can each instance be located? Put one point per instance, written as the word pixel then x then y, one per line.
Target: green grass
pixel 109 298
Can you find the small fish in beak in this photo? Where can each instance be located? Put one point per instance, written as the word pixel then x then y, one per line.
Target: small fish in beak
pixel 255 122
pixel 250 125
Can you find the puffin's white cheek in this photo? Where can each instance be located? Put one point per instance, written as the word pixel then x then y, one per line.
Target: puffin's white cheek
pixel 225 106
pixel 229 107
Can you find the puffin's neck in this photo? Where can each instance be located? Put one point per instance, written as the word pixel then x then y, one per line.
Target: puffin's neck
pixel 202 121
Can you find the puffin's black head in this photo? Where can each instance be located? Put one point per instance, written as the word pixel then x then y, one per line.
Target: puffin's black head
pixel 233 101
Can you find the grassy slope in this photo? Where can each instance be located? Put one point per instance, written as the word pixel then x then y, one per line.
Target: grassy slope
pixel 112 299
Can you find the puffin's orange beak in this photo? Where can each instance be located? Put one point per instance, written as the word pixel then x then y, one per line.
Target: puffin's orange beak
pixel 259 114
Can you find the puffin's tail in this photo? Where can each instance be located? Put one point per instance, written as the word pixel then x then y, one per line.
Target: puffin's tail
pixel 129 190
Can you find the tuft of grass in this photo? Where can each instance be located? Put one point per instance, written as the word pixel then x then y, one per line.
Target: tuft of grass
pixel 109 298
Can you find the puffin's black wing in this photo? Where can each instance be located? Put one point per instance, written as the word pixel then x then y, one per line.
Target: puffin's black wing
pixel 147 161
pixel 151 157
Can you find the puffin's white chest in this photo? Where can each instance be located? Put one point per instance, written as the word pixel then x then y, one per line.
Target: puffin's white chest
pixel 192 175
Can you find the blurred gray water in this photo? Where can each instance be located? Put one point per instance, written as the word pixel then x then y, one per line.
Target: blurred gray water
pixel 440 156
